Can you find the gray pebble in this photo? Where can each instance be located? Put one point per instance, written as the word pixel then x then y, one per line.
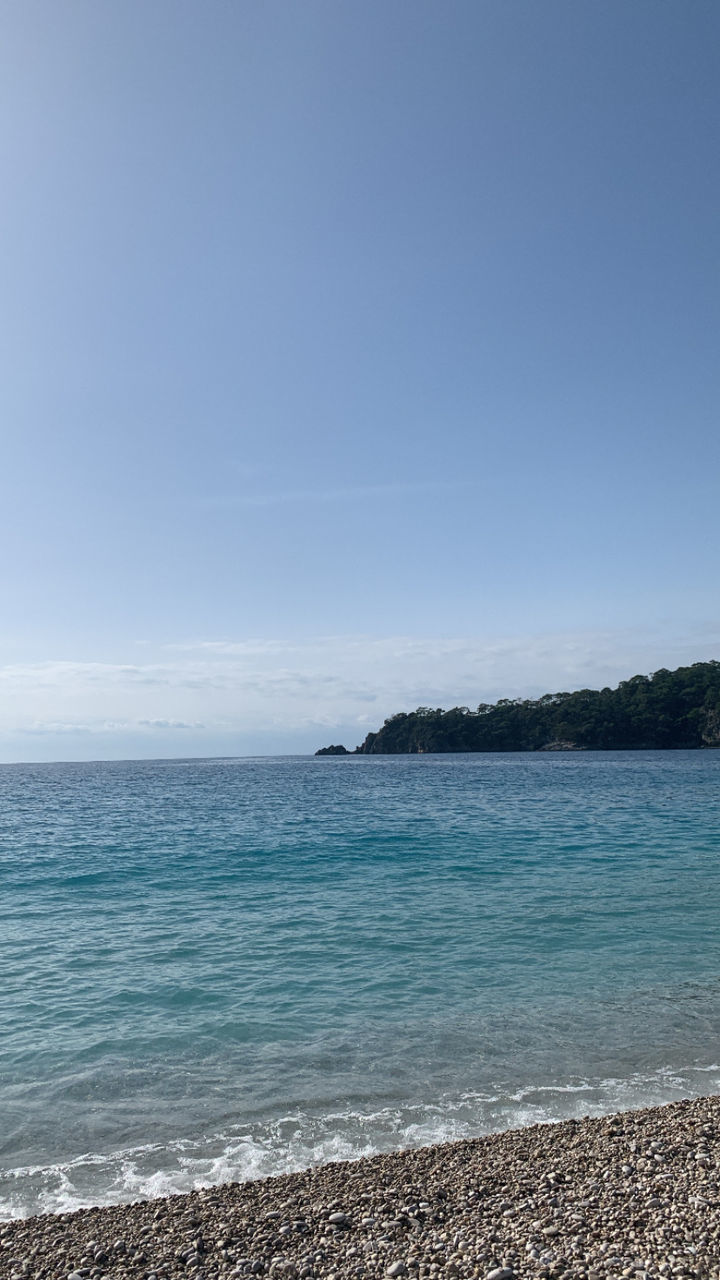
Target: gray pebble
pixel 561 1202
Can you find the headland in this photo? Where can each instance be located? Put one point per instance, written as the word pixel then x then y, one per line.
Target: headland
pixel 668 710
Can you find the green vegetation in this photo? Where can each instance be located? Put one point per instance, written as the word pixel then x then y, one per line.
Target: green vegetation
pixel 668 709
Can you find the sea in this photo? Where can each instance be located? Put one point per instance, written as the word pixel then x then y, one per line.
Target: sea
pixel 216 970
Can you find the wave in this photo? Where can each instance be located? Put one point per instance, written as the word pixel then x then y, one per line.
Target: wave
pixel 303 1138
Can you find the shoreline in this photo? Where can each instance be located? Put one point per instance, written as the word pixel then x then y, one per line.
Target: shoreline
pixel 633 1195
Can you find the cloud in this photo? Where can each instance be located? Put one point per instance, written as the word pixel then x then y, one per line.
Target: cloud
pixel 51 674
pixel 52 727
pixel 268 693
pixel 170 724
pixel 59 727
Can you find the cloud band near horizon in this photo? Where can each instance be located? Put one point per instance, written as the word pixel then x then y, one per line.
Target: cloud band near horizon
pixel 274 695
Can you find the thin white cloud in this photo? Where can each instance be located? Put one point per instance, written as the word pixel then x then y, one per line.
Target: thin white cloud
pixel 49 673
pixel 52 727
pixel 171 724
pixel 215 692
pixel 241 648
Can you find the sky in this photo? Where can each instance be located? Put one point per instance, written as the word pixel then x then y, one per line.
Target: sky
pixel 355 355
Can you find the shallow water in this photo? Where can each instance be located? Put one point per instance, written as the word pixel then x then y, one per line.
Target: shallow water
pixel 221 969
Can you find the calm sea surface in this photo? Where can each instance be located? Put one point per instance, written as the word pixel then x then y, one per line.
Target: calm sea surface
pixel 216 969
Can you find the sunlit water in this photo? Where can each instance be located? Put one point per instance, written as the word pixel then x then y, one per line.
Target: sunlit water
pixel 227 968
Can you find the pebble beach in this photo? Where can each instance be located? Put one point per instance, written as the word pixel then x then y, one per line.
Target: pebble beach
pixel 633 1195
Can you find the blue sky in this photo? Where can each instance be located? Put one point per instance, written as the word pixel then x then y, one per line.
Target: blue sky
pixel 354 356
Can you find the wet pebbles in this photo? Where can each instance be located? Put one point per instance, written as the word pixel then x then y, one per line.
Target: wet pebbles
pixel 633 1196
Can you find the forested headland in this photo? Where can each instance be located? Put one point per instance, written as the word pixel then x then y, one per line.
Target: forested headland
pixel 665 710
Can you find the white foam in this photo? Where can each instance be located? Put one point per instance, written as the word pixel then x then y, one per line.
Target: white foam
pixel 304 1138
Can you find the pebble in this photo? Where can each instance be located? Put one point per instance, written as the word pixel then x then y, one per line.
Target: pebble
pixel 576 1200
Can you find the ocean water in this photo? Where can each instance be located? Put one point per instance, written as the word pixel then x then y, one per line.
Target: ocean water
pixel 221 969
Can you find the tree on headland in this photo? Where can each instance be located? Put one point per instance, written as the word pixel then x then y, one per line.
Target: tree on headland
pixel 668 709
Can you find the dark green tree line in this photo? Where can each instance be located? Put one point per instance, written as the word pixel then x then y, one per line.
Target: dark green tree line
pixel 668 709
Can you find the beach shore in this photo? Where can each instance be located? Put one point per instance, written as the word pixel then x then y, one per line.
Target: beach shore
pixel 633 1195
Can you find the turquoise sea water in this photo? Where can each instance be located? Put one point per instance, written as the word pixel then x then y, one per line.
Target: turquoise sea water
pixel 215 969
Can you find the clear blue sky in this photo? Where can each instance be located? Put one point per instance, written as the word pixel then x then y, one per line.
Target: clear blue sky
pixel 354 355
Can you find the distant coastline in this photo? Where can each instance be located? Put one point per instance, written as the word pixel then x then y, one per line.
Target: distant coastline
pixel 668 710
